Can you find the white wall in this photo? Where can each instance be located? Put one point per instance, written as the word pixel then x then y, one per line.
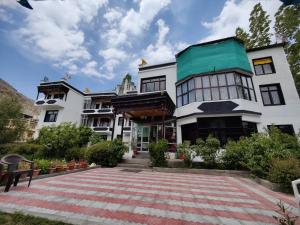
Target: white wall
pixel 282 114
pixel 171 77
pixel 71 112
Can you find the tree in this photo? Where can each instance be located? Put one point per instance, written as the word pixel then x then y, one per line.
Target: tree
pixel 287 22
pixel 57 139
pixel 12 124
pixel 244 36
pixel 259 27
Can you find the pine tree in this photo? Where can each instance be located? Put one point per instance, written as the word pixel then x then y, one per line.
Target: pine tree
pixel 244 36
pixel 259 27
pixel 287 27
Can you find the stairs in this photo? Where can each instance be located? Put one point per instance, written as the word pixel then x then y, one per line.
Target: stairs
pixel 141 161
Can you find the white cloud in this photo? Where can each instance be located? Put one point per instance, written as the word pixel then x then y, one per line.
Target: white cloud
pixel 234 14
pixel 53 31
pixel 136 21
pixel 5 16
pixel 90 69
pixel 132 23
pixel 113 15
pixel 111 53
pixel 160 51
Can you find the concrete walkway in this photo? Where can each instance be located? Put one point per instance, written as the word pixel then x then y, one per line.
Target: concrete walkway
pixel 114 196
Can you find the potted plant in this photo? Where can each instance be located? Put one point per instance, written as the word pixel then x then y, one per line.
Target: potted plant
pixel 23 166
pixel 51 168
pixel 59 165
pixel 36 171
pixel 71 165
pixel 83 164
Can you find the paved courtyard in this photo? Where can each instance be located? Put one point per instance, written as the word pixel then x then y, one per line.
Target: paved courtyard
pixel 114 196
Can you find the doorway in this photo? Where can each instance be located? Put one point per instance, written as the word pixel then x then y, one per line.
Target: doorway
pixel 143 138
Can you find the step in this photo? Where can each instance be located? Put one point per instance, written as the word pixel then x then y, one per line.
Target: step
pixel 137 161
pixel 132 165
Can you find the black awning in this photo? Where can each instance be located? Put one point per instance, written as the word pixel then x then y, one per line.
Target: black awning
pixel 144 104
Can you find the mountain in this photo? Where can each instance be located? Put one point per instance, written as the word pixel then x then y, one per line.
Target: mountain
pixel 29 109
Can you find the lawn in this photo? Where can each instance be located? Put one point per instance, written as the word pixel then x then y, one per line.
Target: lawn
pixel 21 219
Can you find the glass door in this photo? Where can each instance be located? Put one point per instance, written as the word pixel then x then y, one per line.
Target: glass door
pixel 143 138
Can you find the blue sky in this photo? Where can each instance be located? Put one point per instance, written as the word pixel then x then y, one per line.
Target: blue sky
pixel 99 41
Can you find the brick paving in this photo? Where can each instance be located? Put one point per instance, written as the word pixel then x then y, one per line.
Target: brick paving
pixel 112 196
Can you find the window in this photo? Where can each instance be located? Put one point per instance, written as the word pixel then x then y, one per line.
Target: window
pixel 215 87
pixel 153 84
pixel 271 94
pixel 263 66
pixel 286 128
pixel 106 105
pixel 95 122
pixel 120 121
pixel 51 116
pixel 104 122
pixel 58 96
pixel 97 106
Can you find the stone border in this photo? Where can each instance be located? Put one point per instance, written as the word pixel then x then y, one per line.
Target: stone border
pixel 270 185
pixel 203 171
pixel 60 173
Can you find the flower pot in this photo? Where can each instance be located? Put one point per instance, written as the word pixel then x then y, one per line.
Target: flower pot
pixel 65 167
pixel 59 169
pixel 71 166
pixel 51 170
pixel 181 156
pixel 83 165
pixel 77 165
pixel 3 178
pixel 36 173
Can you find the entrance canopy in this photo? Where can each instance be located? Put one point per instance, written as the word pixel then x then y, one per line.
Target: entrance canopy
pixel 139 106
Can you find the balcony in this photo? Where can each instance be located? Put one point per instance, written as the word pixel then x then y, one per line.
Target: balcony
pixel 50 103
pixel 103 111
pixel 103 129
pixel 127 129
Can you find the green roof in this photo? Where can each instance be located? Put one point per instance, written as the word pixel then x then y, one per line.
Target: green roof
pixel 224 54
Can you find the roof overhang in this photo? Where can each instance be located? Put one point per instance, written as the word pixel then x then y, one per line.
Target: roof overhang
pixel 152 104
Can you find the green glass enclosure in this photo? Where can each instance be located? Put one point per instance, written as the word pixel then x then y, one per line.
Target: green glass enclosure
pixel 208 57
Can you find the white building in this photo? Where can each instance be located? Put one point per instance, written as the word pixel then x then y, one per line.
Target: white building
pixel 214 88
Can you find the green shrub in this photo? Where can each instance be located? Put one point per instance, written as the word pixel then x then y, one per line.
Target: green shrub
pixel 187 151
pixel 284 171
pixel 157 152
pixel 106 153
pixel 75 153
pixel 209 150
pixel 257 151
pixel 57 139
pixel 119 148
pixel 234 157
pixel 27 150
pixel 43 165
pixel 95 138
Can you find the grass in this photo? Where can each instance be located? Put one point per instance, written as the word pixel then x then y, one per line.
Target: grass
pixel 21 219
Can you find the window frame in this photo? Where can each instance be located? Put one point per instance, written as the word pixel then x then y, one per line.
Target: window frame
pixel 272 66
pixel 153 80
pixel 47 118
pixel 280 94
pixel 245 90
pixel 119 120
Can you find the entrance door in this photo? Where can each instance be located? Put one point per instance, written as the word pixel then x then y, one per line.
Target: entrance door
pixel 143 138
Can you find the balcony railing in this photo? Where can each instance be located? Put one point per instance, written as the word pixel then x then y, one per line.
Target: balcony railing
pixel 98 111
pixel 50 102
pixel 127 129
pixel 103 129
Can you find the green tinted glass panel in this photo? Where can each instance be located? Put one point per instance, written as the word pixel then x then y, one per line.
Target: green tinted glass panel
pixel 223 55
